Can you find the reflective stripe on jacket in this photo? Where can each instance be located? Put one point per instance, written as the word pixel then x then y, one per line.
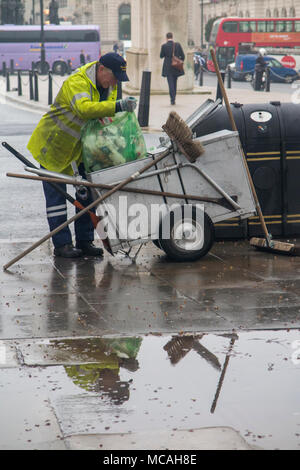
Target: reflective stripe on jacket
pixel 55 142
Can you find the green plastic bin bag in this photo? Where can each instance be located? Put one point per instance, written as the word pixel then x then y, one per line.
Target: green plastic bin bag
pixel 113 141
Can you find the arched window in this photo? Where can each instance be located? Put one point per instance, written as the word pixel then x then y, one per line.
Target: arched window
pixel 241 14
pixel 247 14
pixel 268 13
pixel 125 22
pixel 292 13
pixel 283 12
pixel 276 13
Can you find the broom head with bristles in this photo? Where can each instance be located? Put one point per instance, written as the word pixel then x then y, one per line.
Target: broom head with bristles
pixel 276 246
pixel 180 132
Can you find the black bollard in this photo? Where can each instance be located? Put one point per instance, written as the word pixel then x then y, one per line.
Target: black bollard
pixel 268 79
pixel 219 92
pixel 69 67
pixel 12 66
pixel 36 85
pixel 4 69
pixel 229 76
pixel 31 85
pixel 201 76
pixel 144 106
pixel 7 81
pixel 19 83
pixel 50 88
pixel 119 91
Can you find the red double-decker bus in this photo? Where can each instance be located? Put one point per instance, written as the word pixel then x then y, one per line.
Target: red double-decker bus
pixel 230 36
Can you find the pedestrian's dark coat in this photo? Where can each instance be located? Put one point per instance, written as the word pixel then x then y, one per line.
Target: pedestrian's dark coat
pixel 166 53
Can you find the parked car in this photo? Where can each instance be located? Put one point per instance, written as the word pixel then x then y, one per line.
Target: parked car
pixel 245 64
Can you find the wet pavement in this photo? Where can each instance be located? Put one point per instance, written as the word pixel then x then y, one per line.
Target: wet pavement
pixel 152 354
pixel 98 354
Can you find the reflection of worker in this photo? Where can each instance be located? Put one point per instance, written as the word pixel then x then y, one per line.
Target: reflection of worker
pixel 168 71
pixel 260 67
pixel 104 376
pixel 90 93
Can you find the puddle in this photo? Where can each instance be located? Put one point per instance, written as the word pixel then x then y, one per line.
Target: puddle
pixel 248 381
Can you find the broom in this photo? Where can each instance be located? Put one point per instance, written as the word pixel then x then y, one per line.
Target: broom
pixel 267 243
pixel 177 130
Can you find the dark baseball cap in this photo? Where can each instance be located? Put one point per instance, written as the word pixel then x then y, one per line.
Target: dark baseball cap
pixel 117 64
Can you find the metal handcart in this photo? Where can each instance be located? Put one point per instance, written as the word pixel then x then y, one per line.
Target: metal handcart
pixel 218 179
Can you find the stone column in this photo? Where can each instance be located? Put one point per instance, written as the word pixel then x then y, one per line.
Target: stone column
pixel 151 20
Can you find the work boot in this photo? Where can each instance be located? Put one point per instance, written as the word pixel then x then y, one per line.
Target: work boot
pixel 89 249
pixel 67 251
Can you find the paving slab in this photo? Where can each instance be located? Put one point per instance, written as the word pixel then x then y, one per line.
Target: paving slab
pixel 218 438
pixel 234 286
pixel 27 419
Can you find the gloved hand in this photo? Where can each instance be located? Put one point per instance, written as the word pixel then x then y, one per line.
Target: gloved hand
pixel 128 104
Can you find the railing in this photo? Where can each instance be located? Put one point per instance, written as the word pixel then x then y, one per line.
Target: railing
pixel 227 77
pixel 31 79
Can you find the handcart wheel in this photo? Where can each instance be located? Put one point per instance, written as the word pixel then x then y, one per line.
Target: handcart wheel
pixel 191 233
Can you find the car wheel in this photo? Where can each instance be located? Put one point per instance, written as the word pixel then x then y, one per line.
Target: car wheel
pixel 38 67
pixel 191 234
pixel 248 77
pixel 59 67
pixel 289 79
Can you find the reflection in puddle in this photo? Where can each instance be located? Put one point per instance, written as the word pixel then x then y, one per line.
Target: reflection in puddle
pixel 104 377
pixel 247 381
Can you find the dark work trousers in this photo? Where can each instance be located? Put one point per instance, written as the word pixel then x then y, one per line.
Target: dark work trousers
pixel 56 206
pixel 172 82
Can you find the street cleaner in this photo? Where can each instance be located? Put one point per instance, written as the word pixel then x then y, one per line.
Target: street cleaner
pixel 90 93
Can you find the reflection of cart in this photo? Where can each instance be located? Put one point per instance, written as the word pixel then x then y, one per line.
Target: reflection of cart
pixel 218 176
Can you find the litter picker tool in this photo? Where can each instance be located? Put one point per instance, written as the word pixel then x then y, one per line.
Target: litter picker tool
pixel 177 130
pixel 267 243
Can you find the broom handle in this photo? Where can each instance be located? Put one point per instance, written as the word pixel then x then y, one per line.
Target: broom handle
pixel 87 208
pixel 234 128
pixel 107 186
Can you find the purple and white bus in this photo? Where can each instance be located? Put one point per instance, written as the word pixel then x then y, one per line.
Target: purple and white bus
pixel 63 43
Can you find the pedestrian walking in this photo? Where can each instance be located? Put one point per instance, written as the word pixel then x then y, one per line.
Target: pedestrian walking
pixel 196 66
pixel 168 50
pixel 90 93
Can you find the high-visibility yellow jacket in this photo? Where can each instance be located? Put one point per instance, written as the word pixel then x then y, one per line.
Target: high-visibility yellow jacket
pixel 55 142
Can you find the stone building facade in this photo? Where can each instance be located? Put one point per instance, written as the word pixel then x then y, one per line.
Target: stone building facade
pixel 106 13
